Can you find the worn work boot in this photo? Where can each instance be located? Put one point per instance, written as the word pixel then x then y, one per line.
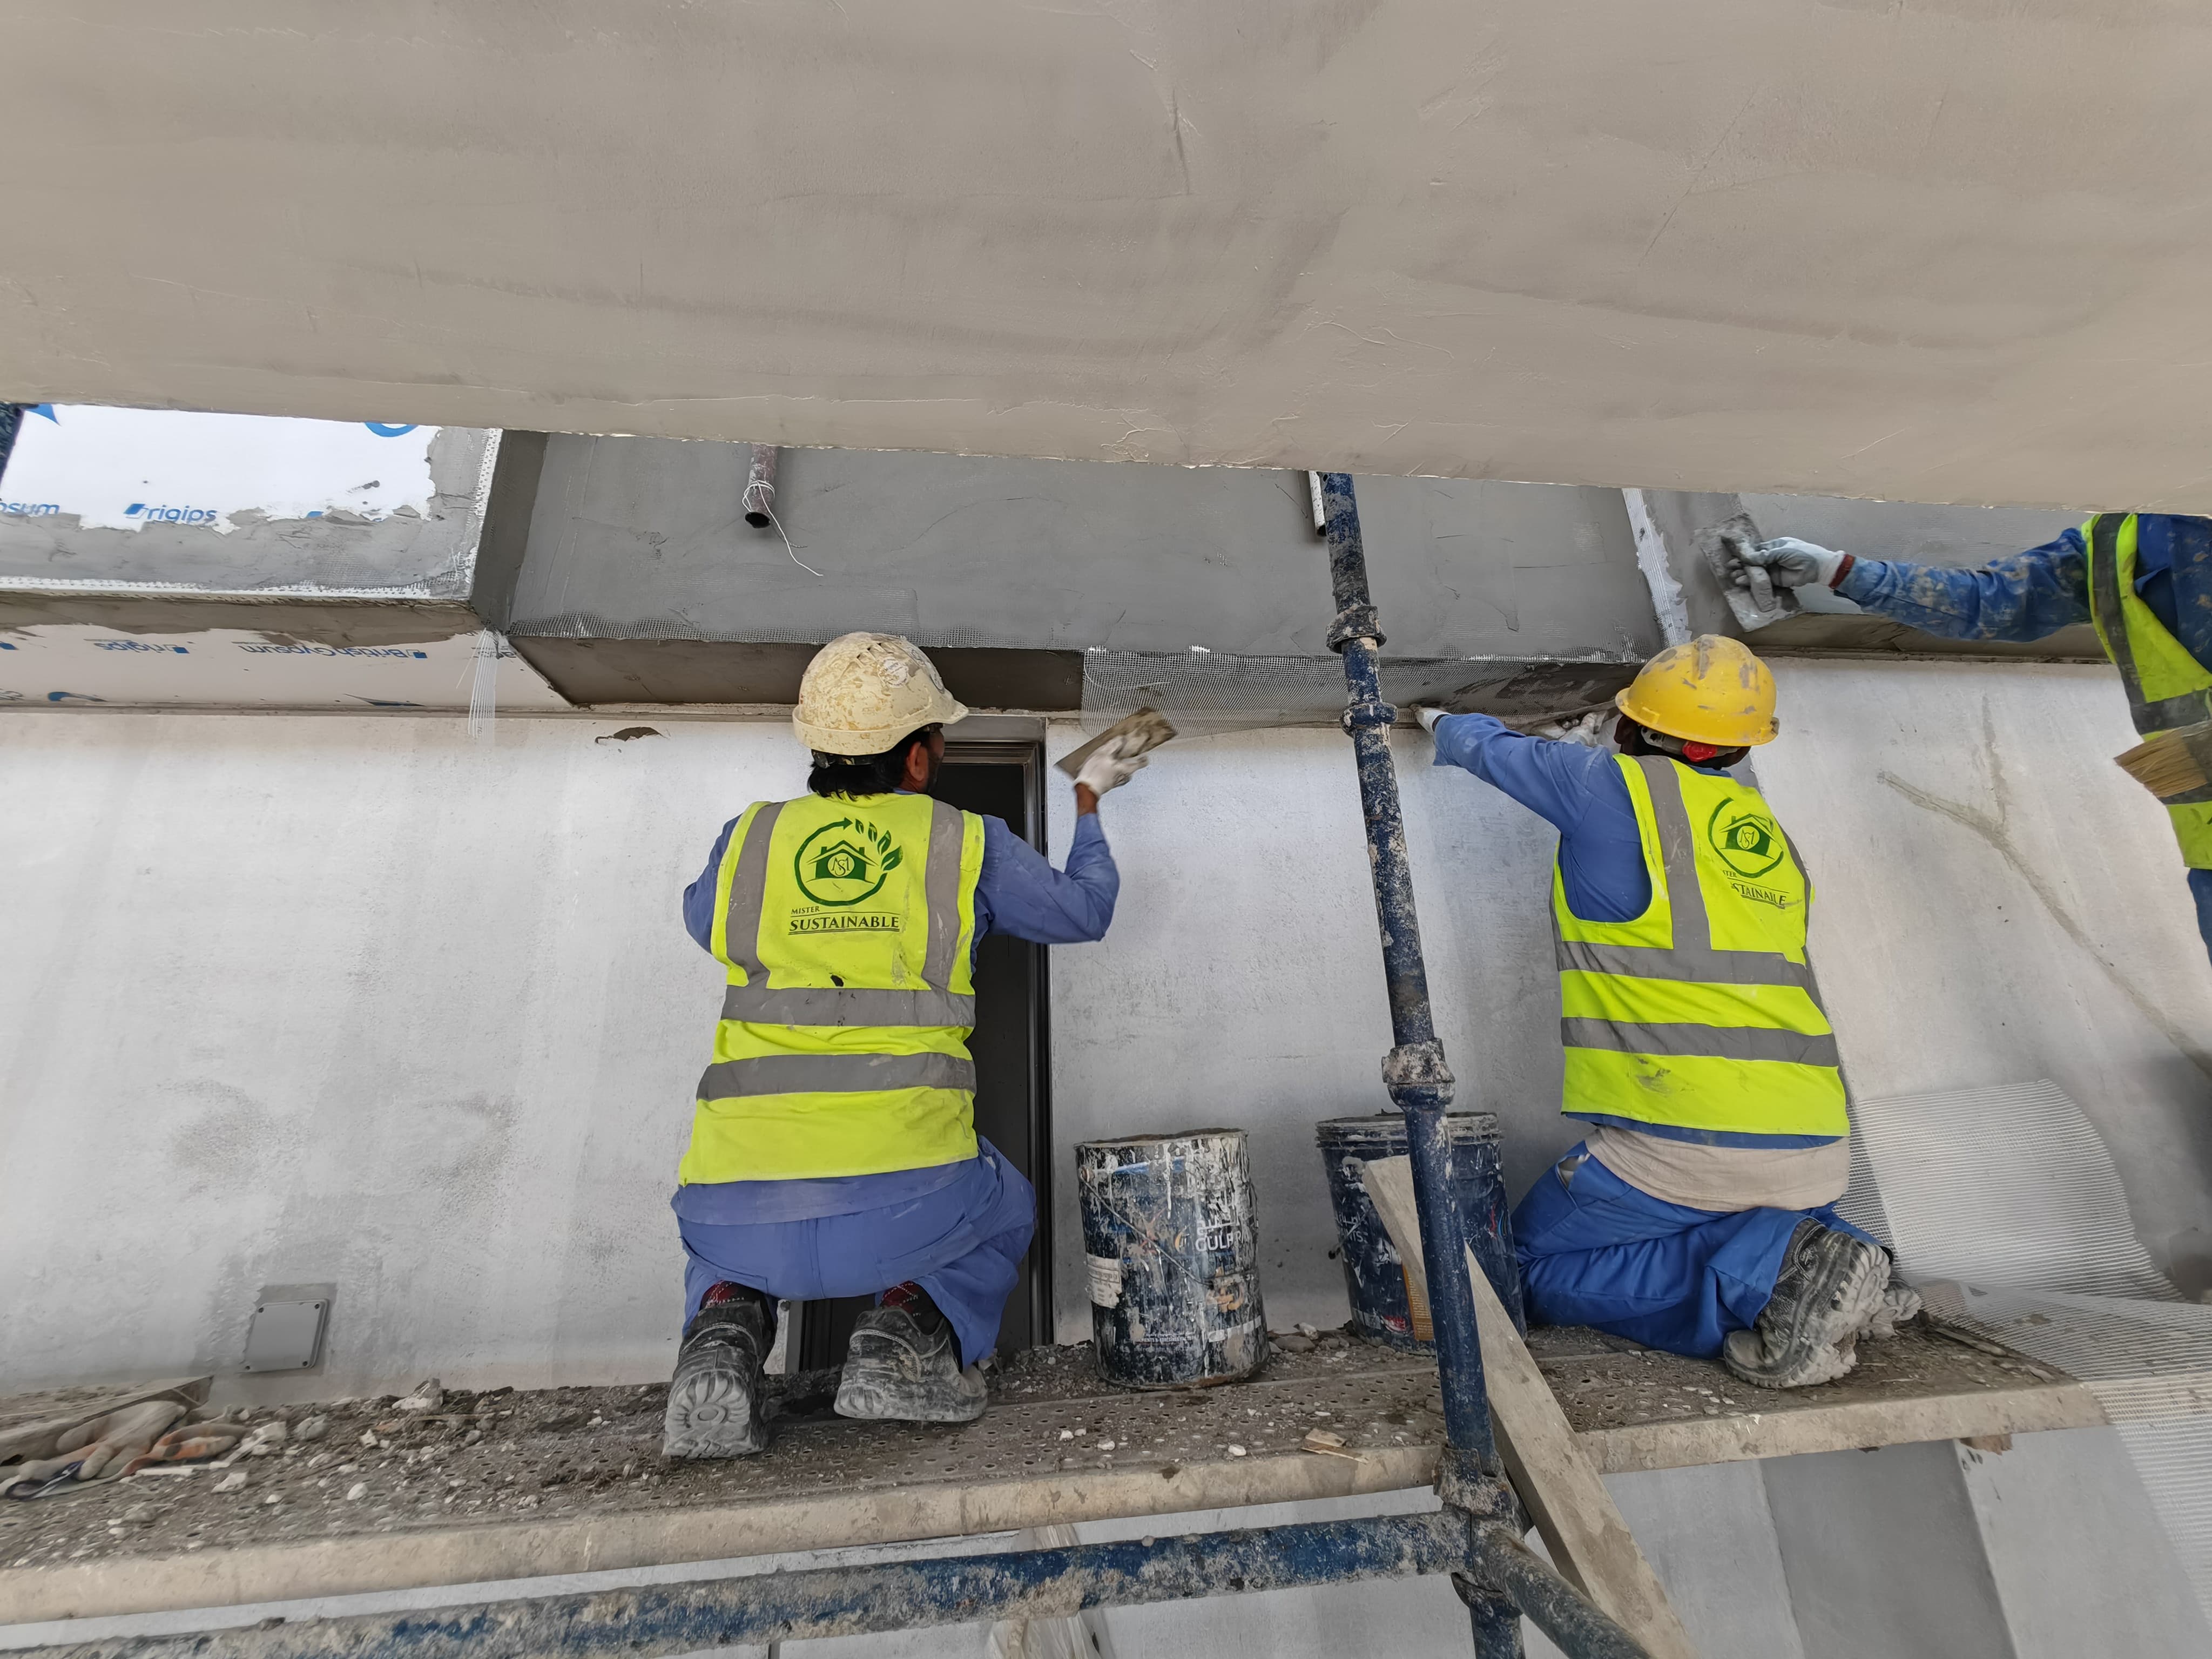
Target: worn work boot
pixel 714 1398
pixel 1829 1293
pixel 903 1365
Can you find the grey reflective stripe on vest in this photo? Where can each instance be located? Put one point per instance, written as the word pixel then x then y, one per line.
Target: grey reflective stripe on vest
pixel 1703 1041
pixel 749 893
pixel 839 1074
pixel 1685 899
pixel 1656 961
pixel 829 1005
pixel 2105 605
pixel 941 892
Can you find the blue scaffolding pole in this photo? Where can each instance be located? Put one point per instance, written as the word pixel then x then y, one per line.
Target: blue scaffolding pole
pixel 1476 1538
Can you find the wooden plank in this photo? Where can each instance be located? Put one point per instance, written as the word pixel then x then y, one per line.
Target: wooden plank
pixel 1581 1525
pixel 1636 1409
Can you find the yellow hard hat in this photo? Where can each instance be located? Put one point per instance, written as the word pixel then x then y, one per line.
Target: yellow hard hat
pixel 1711 690
pixel 863 692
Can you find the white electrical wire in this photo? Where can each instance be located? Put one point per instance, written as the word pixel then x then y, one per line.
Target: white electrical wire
pixel 787 547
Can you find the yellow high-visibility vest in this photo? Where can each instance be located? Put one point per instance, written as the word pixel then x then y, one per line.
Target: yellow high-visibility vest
pixel 1702 1013
pixel 847 925
pixel 2167 687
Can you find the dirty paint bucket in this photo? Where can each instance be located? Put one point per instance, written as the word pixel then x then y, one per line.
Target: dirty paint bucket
pixel 1172 1239
pixel 1383 1308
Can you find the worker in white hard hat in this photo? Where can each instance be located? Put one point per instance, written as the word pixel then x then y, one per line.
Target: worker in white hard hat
pixel 833 1151
pixel 1698 1212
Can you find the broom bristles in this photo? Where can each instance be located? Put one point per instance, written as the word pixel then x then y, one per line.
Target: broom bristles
pixel 2169 763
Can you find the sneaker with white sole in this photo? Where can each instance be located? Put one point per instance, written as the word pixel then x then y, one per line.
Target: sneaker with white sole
pixel 1829 1293
pixel 714 1398
pixel 900 1369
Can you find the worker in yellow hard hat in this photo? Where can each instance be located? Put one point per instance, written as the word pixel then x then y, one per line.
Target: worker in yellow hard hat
pixel 2144 580
pixel 834 1150
pixel 1696 1215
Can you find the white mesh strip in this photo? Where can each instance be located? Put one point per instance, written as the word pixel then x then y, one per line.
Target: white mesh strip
pixel 2005 1186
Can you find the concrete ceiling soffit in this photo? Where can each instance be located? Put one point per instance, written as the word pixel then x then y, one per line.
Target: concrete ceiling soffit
pixel 1945 253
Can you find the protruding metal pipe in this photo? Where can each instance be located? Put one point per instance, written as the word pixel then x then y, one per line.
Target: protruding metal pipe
pixel 759 498
pixel 754 1609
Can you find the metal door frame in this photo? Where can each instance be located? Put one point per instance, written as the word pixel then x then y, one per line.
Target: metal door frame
pixel 1028 753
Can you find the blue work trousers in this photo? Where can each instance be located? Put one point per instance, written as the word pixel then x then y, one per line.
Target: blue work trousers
pixel 964 1243
pixel 1596 1251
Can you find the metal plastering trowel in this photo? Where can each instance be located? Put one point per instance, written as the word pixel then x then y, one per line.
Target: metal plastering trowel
pixel 1763 602
pixel 1148 725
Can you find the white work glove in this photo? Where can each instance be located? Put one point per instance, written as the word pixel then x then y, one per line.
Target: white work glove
pixel 1785 562
pixel 1109 768
pixel 1592 730
pixel 195 1443
pixel 107 1443
pixel 1429 714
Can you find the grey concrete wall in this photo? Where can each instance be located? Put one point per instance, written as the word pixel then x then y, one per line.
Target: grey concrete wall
pixel 1882 1556
pixel 407 555
pixel 1711 1540
pixel 642 537
pixel 1057 585
pixel 2076 1550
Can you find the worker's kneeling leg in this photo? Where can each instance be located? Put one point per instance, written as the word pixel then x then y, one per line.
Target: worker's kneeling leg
pixel 1596 1251
pixel 915 1357
pixel 962 1244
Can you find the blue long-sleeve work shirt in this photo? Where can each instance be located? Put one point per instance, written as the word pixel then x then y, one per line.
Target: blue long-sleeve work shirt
pixel 1580 792
pixel 2026 596
pixel 1016 892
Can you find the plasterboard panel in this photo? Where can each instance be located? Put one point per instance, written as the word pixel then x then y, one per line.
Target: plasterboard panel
pixel 162 501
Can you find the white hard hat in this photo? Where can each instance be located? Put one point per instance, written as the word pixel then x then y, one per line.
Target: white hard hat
pixel 863 692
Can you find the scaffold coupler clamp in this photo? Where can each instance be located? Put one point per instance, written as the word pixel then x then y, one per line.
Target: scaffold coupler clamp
pixel 1355 622
pixel 1416 1077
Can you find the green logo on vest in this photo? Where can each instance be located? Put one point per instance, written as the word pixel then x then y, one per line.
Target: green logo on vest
pixel 845 862
pixel 1748 841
